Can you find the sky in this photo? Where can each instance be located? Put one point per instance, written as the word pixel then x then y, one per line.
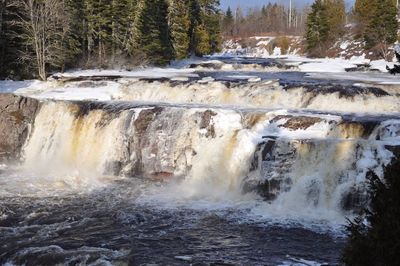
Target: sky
pixel 253 3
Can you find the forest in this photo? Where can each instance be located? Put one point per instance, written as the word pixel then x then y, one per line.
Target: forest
pixel 325 22
pixel 38 37
pixel 271 18
pixel 373 22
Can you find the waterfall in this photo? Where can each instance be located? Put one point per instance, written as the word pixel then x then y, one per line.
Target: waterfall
pixel 267 94
pixel 294 161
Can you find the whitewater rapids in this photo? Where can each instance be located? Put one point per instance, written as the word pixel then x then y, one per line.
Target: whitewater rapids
pixel 197 167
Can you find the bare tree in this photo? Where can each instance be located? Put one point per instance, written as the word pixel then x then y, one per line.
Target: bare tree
pixel 45 27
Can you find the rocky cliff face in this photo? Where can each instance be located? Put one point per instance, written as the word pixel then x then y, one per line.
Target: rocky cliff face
pixel 17 114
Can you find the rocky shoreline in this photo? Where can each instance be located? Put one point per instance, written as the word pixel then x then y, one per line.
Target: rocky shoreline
pixel 17 114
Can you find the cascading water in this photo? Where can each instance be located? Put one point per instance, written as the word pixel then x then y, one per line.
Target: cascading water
pixel 209 177
pixel 157 143
pixel 264 94
pixel 316 162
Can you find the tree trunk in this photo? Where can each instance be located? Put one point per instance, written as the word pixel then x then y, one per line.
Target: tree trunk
pixel 100 52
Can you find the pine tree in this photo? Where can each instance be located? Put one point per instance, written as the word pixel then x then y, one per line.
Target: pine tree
pixel 325 24
pixel 382 27
pixel 151 34
pixel 122 16
pixel 75 41
pixel 228 22
pixel 375 238
pixel 364 12
pixel 207 27
pixel 317 26
pixel 98 33
pixel 336 14
pixel 179 24
pixel 203 41
pixel 11 43
pixel 99 22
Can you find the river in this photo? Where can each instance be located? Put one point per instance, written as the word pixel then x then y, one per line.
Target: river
pixel 208 166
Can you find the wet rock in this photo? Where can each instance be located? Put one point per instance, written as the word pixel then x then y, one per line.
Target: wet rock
pixel 344 91
pixel 113 168
pixel 206 123
pixel 210 65
pixel 268 189
pixel 298 122
pixel 17 114
pixel 206 118
pixel 355 199
pixel 145 118
pixel 83 108
pixel 161 176
pixel 395 150
pixel 396 68
pixel 251 119
pixel 272 160
pixel 155 79
pixel 361 67
pixel 62 78
pixel 358 129
pixel 159 152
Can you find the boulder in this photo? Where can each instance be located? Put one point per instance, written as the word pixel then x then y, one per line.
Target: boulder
pixel 298 122
pixel 17 114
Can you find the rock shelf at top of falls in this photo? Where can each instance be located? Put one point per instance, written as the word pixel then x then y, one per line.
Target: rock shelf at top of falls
pixel 241 89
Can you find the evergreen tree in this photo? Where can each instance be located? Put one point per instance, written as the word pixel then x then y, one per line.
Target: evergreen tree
pixel 11 43
pixel 208 27
pixel 325 24
pixel 203 45
pixel 364 12
pixel 382 27
pixel 99 20
pixel 151 33
pixel 336 15
pixel 122 17
pixel 375 238
pixel 179 24
pixel 97 33
pixel 317 26
pixel 75 41
pixel 228 22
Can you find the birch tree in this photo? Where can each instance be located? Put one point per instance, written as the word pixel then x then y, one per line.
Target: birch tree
pixel 45 27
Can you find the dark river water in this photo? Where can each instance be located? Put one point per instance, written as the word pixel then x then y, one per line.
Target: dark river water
pixel 117 225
